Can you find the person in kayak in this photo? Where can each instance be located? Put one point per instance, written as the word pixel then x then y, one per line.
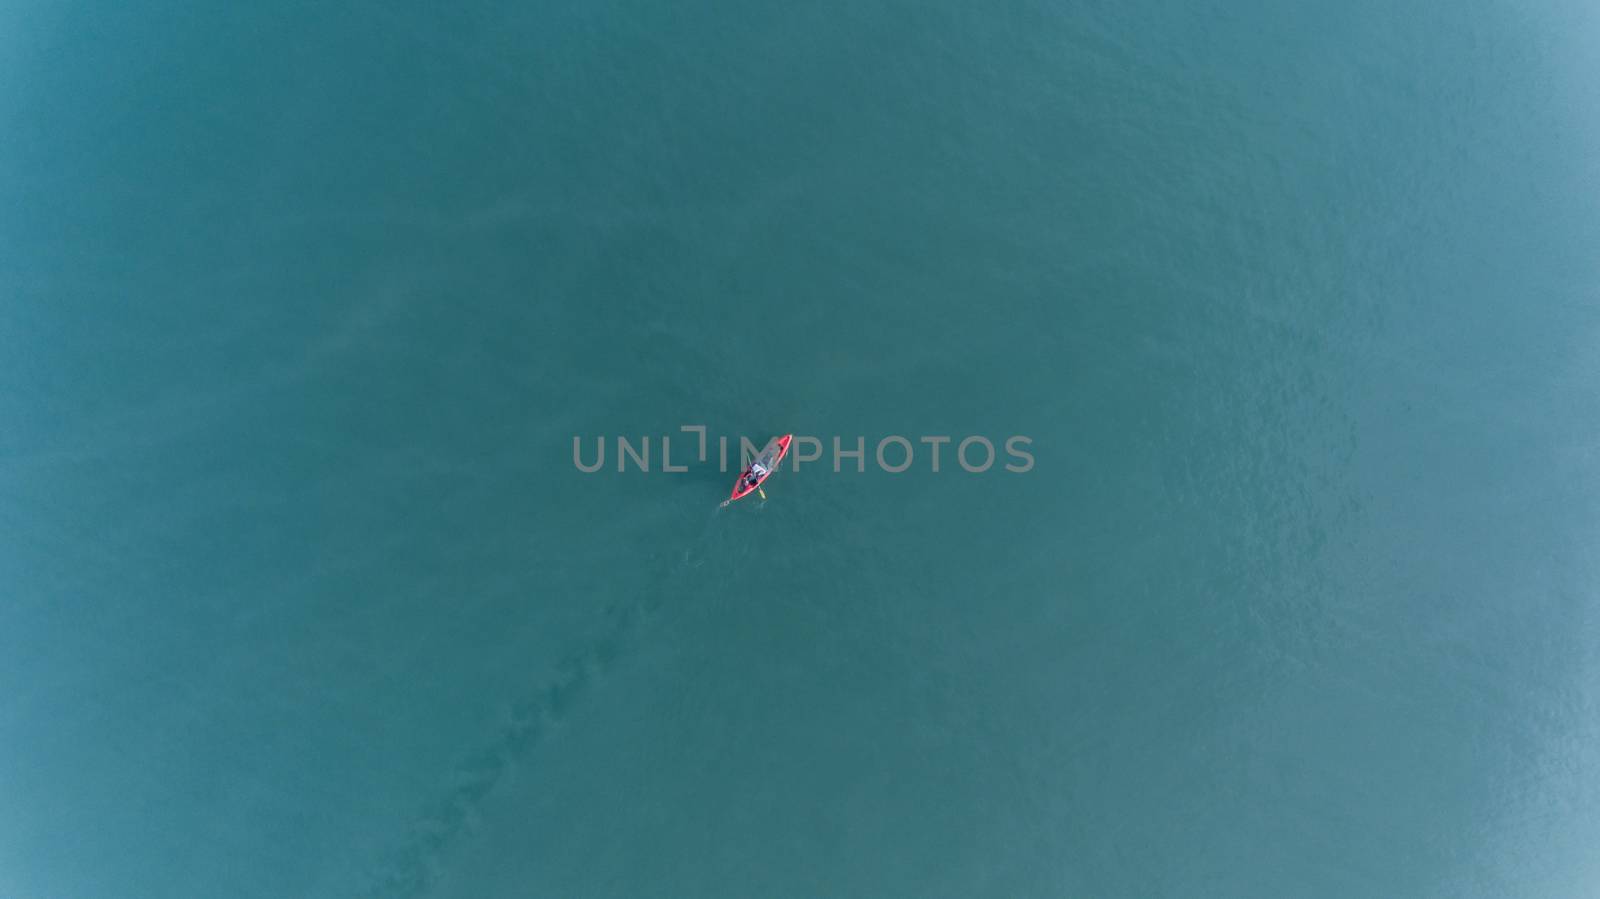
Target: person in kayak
pixel 760 467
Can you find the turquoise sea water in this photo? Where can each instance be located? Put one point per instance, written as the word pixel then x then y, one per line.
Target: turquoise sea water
pixel 301 306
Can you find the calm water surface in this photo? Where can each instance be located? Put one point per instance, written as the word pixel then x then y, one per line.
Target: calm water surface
pixel 302 304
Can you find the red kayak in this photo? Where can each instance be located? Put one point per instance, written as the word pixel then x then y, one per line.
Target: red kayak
pixel 760 469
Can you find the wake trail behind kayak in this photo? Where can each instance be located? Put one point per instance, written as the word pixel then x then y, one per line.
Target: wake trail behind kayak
pixel 416 864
